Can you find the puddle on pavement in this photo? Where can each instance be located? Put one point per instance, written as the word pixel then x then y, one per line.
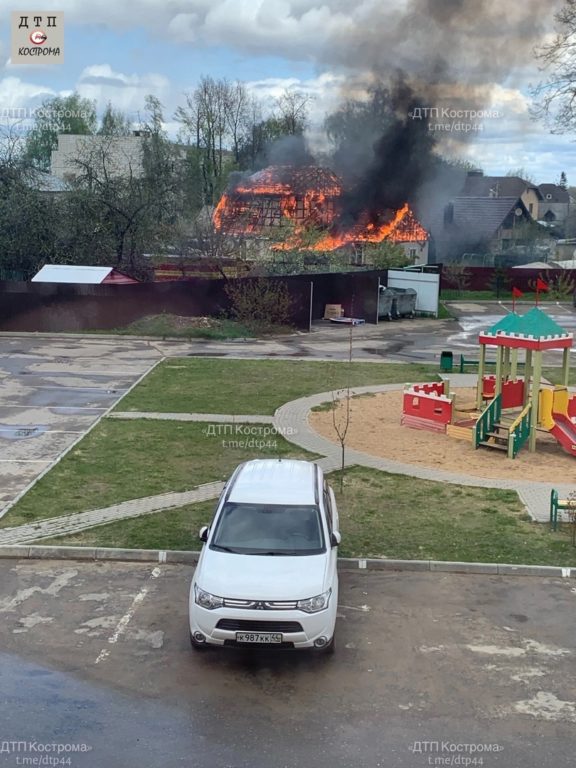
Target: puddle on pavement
pixel 23 432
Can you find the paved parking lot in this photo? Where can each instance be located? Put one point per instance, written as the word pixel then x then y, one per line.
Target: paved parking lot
pixel 52 391
pixel 478 316
pixel 428 666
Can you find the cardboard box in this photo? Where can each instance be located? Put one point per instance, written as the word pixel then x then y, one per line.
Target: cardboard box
pixel 333 310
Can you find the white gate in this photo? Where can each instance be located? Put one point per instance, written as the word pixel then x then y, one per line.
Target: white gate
pixel 426 285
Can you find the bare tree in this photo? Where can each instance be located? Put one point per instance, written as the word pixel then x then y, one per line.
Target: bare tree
pixel 557 94
pixel 293 109
pixel 216 246
pixel 205 122
pixel 341 415
pixel 237 108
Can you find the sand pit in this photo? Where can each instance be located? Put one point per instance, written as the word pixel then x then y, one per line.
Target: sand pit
pixel 375 429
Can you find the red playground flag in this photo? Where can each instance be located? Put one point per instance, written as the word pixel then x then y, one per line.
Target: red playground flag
pixel 516 294
pixel 541 285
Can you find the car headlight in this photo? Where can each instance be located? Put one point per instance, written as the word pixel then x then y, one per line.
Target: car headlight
pixel 206 600
pixel 315 604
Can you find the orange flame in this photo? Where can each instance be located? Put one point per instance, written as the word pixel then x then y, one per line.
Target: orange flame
pixel 305 196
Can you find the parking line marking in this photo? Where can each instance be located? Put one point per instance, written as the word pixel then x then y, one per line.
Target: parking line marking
pixel 45 432
pixel 83 389
pixel 59 407
pixel 125 620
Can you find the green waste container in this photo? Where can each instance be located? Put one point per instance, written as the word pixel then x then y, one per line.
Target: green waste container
pixel 446 361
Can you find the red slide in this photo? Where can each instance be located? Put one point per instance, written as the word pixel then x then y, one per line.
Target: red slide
pixel 565 432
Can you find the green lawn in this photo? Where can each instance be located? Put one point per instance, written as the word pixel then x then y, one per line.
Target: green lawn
pixel 122 460
pixel 173 326
pixel 382 515
pixel 554 375
pixel 212 385
pixel 453 294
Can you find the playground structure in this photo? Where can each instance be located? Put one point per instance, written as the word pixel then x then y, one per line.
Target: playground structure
pixel 510 409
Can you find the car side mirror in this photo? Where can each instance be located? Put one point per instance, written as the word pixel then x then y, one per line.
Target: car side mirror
pixel 335 538
pixel 203 533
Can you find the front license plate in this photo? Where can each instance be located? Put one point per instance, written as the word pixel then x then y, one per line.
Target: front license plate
pixel 258 637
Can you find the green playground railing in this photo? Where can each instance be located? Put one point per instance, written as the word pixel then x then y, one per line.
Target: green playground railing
pixel 519 432
pixel 487 419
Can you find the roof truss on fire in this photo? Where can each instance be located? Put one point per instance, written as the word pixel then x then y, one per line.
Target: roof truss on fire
pixel 307 196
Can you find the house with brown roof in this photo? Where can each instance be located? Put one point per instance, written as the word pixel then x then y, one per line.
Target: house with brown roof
pixel 478 185
pixel 484 225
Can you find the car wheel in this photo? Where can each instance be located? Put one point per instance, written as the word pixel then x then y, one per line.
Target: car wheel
pixel 196 645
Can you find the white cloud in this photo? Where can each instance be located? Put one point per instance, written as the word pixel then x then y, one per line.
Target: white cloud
pixel 324 91
pixel 101 83
pixel 16 93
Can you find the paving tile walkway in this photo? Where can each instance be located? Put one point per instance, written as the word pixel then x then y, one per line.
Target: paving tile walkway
pixel 79 521
pixel 291 421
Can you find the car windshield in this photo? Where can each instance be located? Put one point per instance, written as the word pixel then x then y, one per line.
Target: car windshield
pixel 269 529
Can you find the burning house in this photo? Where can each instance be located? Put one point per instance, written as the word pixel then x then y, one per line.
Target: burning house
pixel 277 194
pixel 311 196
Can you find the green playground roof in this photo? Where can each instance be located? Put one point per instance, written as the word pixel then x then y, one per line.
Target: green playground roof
pixel 534 323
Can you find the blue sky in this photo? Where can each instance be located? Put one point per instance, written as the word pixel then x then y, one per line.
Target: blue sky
pixel 120 51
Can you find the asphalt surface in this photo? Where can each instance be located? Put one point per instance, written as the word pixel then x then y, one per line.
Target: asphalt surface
pixel 427 666
pixel 53 390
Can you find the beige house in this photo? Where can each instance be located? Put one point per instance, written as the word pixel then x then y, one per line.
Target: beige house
pixel 121 155
pixel 554 207
pixel 417 252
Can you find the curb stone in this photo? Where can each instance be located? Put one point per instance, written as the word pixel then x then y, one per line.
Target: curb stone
pixel 185 557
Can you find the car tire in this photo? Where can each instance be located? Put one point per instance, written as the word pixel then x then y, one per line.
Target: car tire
pixel 200 647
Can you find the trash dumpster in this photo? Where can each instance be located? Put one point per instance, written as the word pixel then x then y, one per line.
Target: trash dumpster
pixel 403 302
pixel 446 361
pixel 385 299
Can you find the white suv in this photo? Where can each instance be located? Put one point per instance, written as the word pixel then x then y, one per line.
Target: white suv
pixel 267 574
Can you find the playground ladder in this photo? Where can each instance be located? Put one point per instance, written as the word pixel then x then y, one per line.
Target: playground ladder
pixel 486 427
pixel 492 431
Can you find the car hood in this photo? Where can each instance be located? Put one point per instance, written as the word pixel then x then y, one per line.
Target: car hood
pixel 262 577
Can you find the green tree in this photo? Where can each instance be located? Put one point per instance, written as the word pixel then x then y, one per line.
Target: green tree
pixel 259 303
pixel 114 123
pixel 386 255
pixel 130 208
pixel 58 115
pixel 500 282
pixel 29 219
